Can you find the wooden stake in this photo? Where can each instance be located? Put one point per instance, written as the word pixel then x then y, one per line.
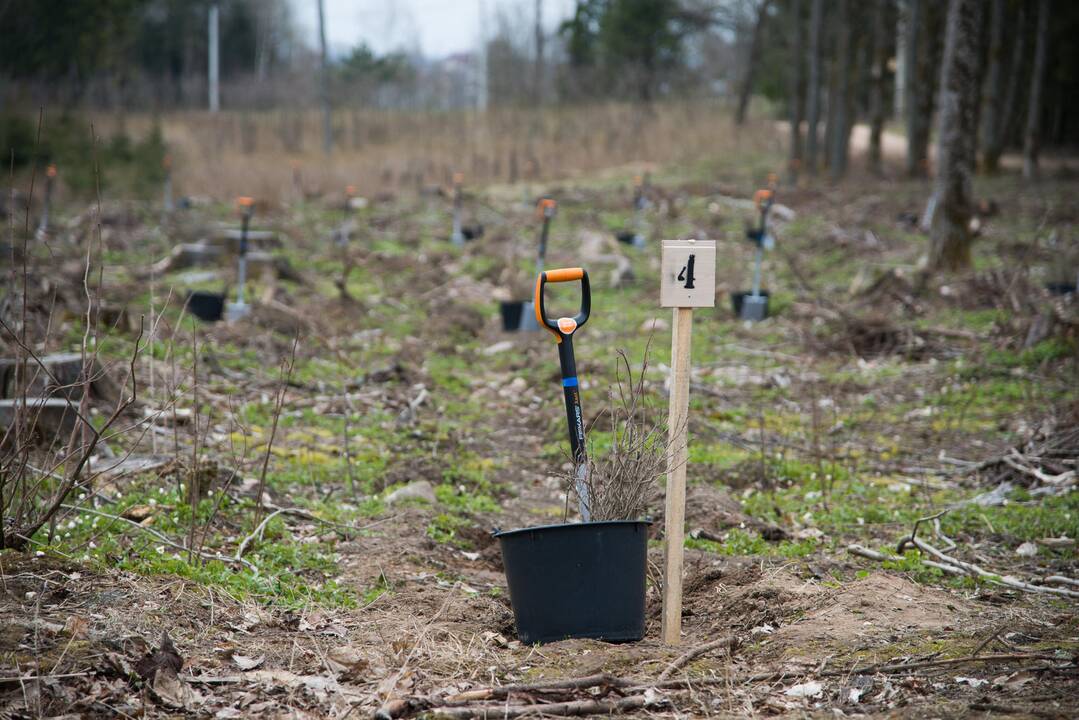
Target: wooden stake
pixel 678 453
pixel 687 280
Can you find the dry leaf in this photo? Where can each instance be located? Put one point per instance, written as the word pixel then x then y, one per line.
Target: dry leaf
pixel 172 692
pixel 347 660
pixel 164 657
pixel 76 627
pixel 805 690
pixel 248 663
pixel 137 513
pixel 1018 679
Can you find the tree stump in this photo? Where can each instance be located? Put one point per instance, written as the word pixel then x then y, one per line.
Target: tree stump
pixel 45 417
pixel 62 378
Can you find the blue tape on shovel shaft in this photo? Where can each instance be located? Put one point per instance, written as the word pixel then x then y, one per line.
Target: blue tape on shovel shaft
pixel 569 382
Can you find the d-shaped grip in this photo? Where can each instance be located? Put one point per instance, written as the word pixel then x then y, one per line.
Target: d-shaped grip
pixel 563 327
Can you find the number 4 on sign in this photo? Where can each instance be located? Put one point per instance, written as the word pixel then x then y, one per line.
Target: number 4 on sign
pixel 686 275
pixel 689 273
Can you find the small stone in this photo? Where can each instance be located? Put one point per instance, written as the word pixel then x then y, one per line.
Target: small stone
pixel 419 490
pixel 655 325
pixel 1027 549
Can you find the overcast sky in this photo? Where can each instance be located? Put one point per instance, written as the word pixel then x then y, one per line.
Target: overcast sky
pixel 434 27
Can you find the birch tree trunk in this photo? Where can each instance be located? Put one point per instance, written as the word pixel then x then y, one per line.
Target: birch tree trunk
pixel 876 88
pixel 751 65
pixel 950 236
pixel 899 99
pixel 797 81
pixel 994 86
pixel 1037 83
pixel 816 22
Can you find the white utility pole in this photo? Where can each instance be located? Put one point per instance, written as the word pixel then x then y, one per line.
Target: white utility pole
pixel 215 98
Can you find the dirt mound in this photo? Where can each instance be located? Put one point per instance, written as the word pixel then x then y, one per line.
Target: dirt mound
pixel 877 610
pixel 737 595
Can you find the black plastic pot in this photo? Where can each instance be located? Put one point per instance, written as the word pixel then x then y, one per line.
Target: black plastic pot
pixel 1060 288
pixel 738 298
pixel 206 306
pixel 511 315
pixel 581 580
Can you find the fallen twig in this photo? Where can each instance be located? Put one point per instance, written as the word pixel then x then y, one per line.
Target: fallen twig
pixel 972 569
pixel 683 660
pixel 501 693
pixel 862 551
pixel 563 709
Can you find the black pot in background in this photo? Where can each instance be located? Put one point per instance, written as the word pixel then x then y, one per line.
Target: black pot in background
pixel 206 306
pixel 511 315
pixel 579 580
pixel 1060 288
pixel 738 300
pixel 518 316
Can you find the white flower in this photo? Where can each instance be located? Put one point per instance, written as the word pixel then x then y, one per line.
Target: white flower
pixel 160 549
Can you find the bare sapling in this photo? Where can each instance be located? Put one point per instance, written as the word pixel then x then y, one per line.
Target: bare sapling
pixel 287 365
pixel 622 482
pixel 38 472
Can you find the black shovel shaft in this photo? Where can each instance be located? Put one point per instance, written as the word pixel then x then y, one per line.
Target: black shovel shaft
pixel 543 241
pixel 243 233
pixel 571 389
pixel 563 330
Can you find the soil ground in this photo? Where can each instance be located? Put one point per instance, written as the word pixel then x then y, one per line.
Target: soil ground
pixel 861 406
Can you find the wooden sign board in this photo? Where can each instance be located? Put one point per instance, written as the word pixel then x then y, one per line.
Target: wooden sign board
pixel 688 274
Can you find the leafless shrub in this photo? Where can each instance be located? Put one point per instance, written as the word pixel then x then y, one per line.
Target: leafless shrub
pixel 42 464
pixel 622 480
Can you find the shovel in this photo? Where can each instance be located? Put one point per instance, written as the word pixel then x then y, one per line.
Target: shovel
pixel 753 306
pixel 635 238
pixel 563 329
pixel 212 307
pixel 238 309
pixel 520 315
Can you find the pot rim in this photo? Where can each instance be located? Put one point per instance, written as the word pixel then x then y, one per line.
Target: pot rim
pixel 498 533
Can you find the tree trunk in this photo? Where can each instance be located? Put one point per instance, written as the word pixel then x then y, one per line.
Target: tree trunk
pixel 920 96
pixel 212 62
pixel 993 88
pixel 324 81
pixel 950 237
pixel 1007 129
pixel 751 65
pixel 1037 82
pixel 816 21
pixel 838 131
pixel 899 100
pixel 876 88
pixel 538 67
pixel 797 81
